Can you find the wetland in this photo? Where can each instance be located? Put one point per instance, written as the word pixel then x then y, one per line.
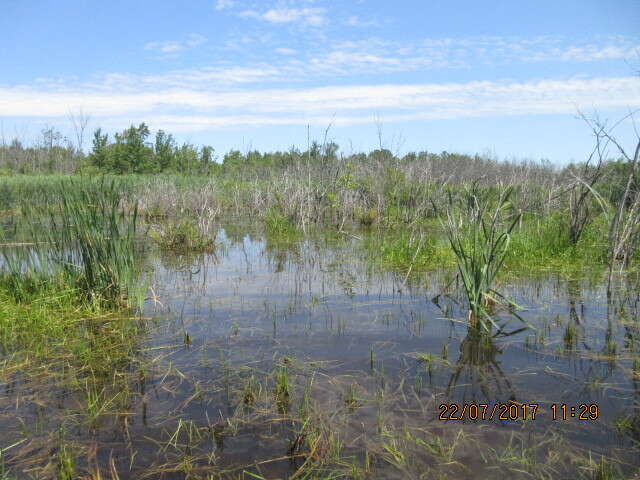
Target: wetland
pixel 321 319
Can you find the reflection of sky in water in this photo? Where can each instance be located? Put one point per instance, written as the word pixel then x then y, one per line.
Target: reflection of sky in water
pixel 320 301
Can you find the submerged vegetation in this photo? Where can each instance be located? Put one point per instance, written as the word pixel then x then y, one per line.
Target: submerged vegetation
pixel 318 339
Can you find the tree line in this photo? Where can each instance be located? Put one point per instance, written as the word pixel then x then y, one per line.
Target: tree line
pixel 136 151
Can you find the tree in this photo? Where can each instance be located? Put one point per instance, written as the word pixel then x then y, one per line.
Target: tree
pixel 79 120
pixel 164 150
pixel 99 157
pixel 206 159
pixel 131 154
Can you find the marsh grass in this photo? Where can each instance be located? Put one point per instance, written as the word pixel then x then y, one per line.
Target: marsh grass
pixel 479 236
pixel 65 321
pixel 50 327
pixel 184 236
pixel 406 250
pixel 84 240
pixel 92 238
pixel 279 226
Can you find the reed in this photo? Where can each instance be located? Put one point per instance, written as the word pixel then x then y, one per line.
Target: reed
pixel 479 236
pixel 84 239
pixel 92 239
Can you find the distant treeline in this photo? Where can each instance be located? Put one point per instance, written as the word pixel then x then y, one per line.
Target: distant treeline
pixel 136 151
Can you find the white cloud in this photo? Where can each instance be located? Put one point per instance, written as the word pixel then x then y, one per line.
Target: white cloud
pixel 355 21
pixel 286 51
pixel 172 46
pixel 585 53
pixel 193 109
pixel 224 4
pixel 164 47
pixel 249 14
pixel 196 39
pixel 314 17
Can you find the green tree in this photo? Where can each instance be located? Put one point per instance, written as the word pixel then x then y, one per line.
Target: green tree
pixel 164 150
pixel 99 157
pixel 131 154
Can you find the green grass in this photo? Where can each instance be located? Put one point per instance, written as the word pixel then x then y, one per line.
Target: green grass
pixel 183 236
pixel 84 239
pixel 543 243
pixel 280 227
pixel 402 250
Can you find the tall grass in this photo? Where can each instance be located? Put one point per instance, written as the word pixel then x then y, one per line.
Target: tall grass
pixel 85 240
pixel 479 236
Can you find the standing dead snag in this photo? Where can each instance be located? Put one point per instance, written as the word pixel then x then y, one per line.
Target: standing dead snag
pixel 623 212
pixel 624 230
pixel 585 181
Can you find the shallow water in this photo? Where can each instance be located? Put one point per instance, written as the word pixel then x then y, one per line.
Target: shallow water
pixel 375 353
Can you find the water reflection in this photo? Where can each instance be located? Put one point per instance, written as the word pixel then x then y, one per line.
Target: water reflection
pixel 478 366
pixel 227 320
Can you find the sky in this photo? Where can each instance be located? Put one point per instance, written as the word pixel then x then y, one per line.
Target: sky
pixel 503 78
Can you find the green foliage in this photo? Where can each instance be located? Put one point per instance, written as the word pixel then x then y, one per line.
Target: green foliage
pixel 403 250
pixel 278 225
pixel 132 153
pixel 184 235
pixel 84 239
pixel 480 239
pixel 92 239
pixel 368 217
pixel 543 242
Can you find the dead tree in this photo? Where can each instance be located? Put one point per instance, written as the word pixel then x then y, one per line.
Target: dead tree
pixel 580 191
pixel 624 212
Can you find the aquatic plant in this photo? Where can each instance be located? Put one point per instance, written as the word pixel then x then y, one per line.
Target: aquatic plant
pixel 479 238
pixel 84 239
pixel 92 239
pixel 279 225
pixel 184 236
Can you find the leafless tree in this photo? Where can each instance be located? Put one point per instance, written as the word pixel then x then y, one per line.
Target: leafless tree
pixel 623 212
pixel 585 180
pixel 79 120
pixel 624 231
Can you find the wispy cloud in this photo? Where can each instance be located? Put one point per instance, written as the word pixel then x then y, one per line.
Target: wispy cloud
pixel 314 17
pixel 585 53
pixel 353 58
pixel 224 4
pixel 203 109
pixel 356 21
pixel 286 51
pixel 465 52
pixel 173 46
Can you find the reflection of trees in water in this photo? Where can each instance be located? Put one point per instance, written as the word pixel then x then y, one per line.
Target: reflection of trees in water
pixel 634 423
pixel 574 295
pixel 188 263
pixel 624 305
pixel 186 272
pixel 280 253
pixel 479 367
pixel 236 233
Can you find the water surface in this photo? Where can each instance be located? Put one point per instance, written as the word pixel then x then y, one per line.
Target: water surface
pixel 369 356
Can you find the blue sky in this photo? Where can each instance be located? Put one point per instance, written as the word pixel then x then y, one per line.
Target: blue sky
pixel 499 77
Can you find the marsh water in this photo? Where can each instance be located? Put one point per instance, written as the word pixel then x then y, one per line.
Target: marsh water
pixel 368 356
